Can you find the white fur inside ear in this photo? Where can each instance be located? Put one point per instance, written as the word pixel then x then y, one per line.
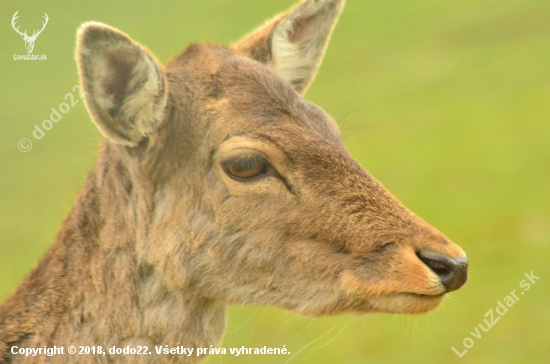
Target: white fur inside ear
pixel 288 60
pixel 146 104
pixel 300 39
pixel 126 91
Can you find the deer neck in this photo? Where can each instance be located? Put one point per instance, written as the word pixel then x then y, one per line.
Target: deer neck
pixel 92 289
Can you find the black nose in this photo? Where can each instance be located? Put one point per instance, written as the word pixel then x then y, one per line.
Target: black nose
pixel 452 272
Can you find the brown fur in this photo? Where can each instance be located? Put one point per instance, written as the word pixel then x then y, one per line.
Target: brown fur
pixel 161 239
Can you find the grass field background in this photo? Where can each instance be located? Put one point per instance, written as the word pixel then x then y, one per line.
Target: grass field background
pixel 447 103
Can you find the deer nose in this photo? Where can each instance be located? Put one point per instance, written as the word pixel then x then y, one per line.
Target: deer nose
pixel 452 272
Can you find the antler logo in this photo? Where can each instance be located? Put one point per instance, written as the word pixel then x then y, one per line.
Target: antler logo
pixel 29 41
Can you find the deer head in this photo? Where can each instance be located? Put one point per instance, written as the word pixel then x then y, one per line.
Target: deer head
pixel 246 192
pixel 29 40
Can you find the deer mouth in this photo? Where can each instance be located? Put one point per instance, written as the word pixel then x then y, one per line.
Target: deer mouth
pixel 405 303
pixel 397 303
pixel 368 297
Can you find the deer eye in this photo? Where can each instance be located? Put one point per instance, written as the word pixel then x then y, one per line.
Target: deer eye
pixel 244 168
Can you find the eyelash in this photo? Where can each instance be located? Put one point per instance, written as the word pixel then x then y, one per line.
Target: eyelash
pixel 246 167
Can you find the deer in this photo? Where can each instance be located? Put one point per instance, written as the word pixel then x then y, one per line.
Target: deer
pixel 29 41
pixel 218 183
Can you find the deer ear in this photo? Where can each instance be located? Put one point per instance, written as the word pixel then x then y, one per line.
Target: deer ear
pixel 125 87
pixel 293 44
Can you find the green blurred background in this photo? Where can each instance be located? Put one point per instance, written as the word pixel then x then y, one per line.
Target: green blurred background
pixel 445 102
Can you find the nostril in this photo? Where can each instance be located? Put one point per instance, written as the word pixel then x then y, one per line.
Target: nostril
pixel 438 268
pixel 452 272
